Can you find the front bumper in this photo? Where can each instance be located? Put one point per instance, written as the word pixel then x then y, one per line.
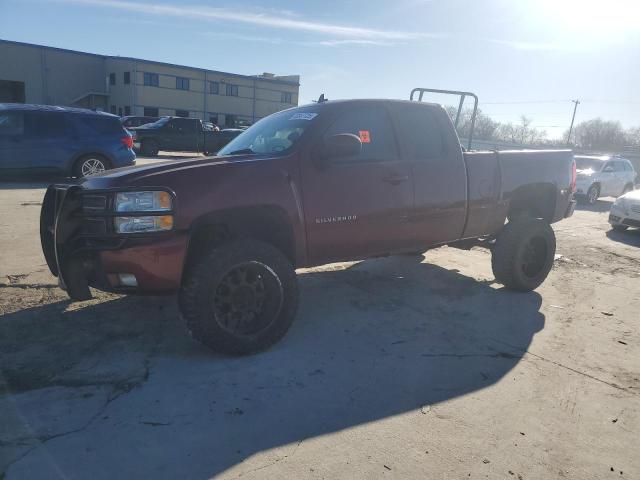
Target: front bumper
pixel 82 249
pixel 629 216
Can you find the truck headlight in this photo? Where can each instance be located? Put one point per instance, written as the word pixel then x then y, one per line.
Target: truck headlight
pixel 153 201
pixel 157 223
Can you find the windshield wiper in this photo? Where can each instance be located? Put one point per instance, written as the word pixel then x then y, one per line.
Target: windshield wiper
pixel 241 151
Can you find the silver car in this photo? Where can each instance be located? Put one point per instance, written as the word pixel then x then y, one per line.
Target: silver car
pixel 603 176
pixel 625 211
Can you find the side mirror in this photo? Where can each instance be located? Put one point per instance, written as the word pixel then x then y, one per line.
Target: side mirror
pixel 339 146
pixel 608 169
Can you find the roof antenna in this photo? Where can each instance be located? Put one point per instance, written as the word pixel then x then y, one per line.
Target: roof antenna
pixel 321 99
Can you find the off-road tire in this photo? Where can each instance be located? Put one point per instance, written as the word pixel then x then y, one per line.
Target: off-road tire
pixel 508 255
pixel 149 148
pixel 203 278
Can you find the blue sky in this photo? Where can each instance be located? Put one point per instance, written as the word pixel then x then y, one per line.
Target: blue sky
pixel 525 51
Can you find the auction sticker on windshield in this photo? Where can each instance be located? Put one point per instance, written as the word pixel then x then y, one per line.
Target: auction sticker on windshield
pixel 303 116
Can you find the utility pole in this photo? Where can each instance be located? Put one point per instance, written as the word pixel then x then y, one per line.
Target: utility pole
pixel 575 107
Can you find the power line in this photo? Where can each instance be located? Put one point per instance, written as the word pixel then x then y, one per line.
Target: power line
pixel 526 101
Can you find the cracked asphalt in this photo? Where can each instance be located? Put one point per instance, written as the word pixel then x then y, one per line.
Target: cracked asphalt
pixel 399 367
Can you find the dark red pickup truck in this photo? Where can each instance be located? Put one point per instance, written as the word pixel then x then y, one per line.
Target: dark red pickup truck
pixel 339 180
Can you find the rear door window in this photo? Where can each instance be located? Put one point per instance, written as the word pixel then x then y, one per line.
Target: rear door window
pixel 98 124
pixel 11 123
pixel 184 125
pixel 371 124
pixel 45 125
pixel 420 132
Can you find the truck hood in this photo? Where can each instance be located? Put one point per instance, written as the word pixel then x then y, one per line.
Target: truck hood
pixel 134 174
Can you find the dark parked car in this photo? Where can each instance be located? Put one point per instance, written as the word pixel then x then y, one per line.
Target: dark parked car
pixel 326 182
pixel 136 121
pixel 178 134
pixel 61 140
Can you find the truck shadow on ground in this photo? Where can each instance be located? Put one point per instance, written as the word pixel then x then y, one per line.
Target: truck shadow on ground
pixel 139 398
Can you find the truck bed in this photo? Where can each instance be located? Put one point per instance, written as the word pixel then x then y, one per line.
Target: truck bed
pixel 499 181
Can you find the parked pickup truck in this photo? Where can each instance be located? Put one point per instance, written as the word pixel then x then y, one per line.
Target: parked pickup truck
pixel 178 134
pixel 326 182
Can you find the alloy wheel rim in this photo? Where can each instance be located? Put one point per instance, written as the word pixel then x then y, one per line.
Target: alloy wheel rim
pixel 593 195
pixel 92 166
pixel 248 299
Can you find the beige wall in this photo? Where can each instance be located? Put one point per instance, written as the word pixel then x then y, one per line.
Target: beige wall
pixel 70 75
pixel 120 95
pixel 201 103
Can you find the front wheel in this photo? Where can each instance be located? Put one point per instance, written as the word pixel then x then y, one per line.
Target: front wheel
pixel 523 254
pixel 592 194
pixel 240 298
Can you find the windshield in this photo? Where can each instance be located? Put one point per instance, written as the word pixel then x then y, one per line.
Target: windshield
pixel 583 163
pixel 157 124
pixel 277 133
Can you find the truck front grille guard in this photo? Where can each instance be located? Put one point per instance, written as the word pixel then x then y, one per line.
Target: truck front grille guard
pixel 462 95
pixel 68 237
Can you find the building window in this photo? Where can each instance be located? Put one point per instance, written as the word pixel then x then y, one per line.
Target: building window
pixel 214 88
pixel 182 113
pixel 182 83
pixel 214 118
pixel 232 90
pixel 112 109
pixel 151 111
pixel 127 78
pixel 112 79
pixel 120 111
pixel 127 110
pixel 151 79
pixel 285 97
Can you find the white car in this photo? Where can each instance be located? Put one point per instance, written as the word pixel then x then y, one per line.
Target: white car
pixel 625 211
pixel 603 176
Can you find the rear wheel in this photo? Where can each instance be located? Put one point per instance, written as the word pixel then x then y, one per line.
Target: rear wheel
pixel 149 148
pixel 627 188
pixel 240 298
pixel 90 165
pixel 523 254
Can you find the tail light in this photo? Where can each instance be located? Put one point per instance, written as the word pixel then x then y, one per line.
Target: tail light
pixel 128 141
pixel 573 176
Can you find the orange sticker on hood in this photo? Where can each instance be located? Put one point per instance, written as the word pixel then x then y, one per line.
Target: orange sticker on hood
pixel 365 137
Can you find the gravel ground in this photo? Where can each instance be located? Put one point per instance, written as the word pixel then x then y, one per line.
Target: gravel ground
pixel 401 367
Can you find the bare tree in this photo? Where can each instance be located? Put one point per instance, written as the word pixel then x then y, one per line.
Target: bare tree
pixel 485 127
pixel 632 137
pixel 598 134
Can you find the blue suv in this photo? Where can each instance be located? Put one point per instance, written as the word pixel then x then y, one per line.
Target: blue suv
pixel 71 141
